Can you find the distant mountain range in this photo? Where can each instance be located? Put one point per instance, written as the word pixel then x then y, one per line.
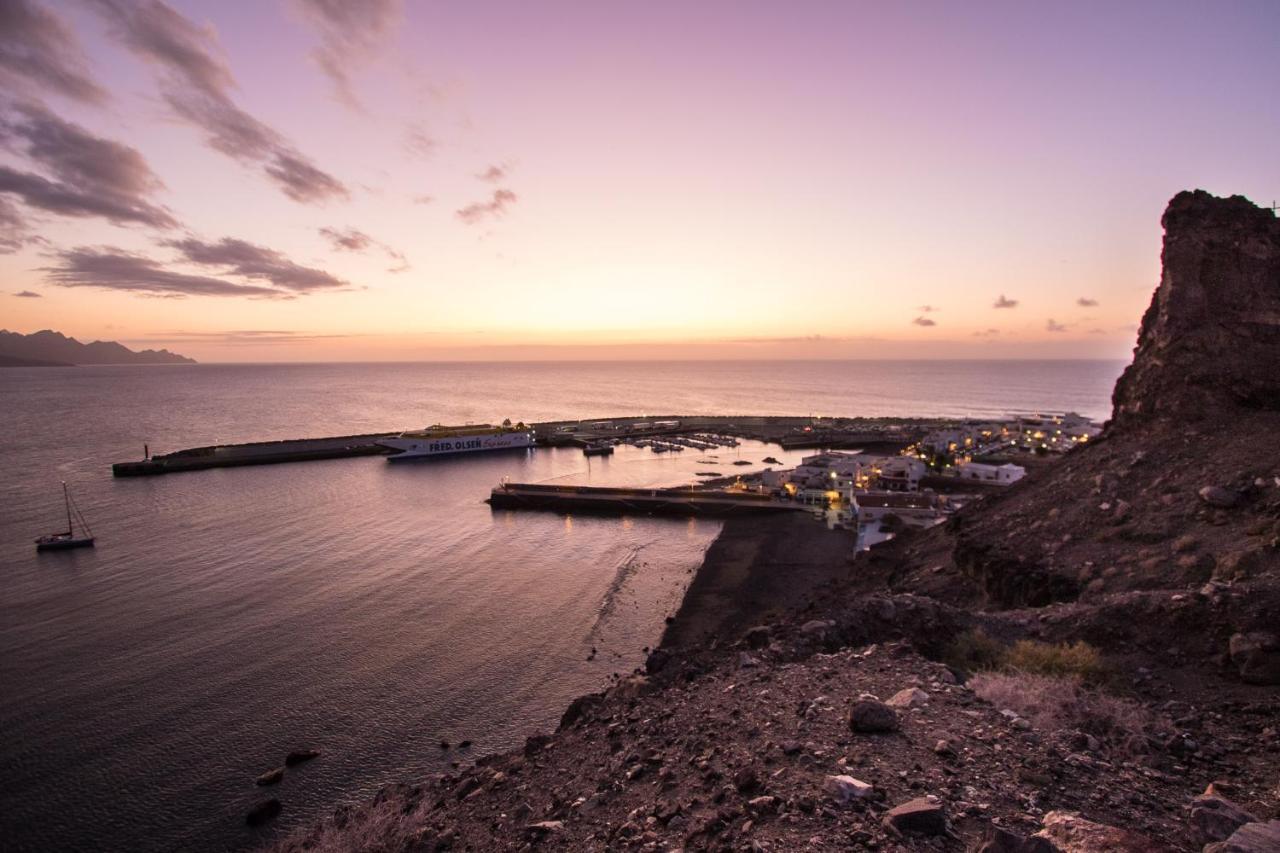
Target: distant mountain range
pixel 54 349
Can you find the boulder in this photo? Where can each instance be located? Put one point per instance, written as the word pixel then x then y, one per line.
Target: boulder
pixel 757 637
pixel 298 756
pixel 1215 818
pixel 999 840
pixel 1250 838
pixel 1256 656
pixel 1218 496
pixel 867 716
pixel 912 697
pixel 271 777
pixel 1075 834
pixel 263 812
pixel 845 789
pixel 923 815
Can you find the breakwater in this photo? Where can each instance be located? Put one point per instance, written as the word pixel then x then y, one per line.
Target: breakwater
pixel 254 453
pixel 617 501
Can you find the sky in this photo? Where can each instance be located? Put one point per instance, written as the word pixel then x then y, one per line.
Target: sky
pixel 318 180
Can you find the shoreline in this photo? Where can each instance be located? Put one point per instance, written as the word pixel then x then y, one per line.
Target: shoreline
pixel 755 571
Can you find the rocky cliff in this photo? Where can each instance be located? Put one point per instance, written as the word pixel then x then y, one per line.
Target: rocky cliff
pixel 1210 341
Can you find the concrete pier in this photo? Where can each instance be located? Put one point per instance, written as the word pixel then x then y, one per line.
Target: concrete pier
pixel 621 501
pixel 256 453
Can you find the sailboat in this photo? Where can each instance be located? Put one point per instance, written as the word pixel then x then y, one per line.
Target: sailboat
pixel 68 538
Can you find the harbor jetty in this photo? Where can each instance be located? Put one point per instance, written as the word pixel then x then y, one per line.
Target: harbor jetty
pixel 623 501
pixel 254 453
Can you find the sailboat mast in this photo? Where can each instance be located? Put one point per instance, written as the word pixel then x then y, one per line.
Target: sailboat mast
pixel 66 497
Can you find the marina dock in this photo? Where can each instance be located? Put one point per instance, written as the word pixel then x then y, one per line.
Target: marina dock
pixel 623 501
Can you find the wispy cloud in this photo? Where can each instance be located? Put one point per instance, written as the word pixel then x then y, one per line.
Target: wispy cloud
pixel 256 263
pixel 926 309
pixel 353 240
pixel 29 294
pixel 493 174
pixel 924 321
pixel 109 268
pixel 1005 302
pixel 986 333
pixel 197 84
pixel 351 35
pixel 419 143
pixel 1086 302
pixel 495 206
pixel 40 54
pixel 237 337
pixel 90 176
pixel 423 199
pixel 1053 325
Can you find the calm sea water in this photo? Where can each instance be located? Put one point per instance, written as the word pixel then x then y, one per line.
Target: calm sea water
pixel 367 609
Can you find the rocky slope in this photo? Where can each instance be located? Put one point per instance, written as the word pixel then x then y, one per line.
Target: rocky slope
pixel 861 716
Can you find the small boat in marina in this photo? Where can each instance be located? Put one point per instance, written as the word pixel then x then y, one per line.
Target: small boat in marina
pixel 65 540
pixel 598 449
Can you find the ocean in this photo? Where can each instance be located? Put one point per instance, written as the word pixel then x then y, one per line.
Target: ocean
pixel 366 609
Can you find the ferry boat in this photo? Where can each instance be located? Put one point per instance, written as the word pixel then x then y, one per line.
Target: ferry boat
pixel 441 440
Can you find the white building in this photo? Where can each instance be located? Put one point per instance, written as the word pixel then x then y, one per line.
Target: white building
pixel 901 474
pixel 1000 475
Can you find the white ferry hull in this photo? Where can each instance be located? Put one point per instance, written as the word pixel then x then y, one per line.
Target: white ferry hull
pixel 418 447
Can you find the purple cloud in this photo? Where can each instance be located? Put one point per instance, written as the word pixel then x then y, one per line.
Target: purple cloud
pixel 109 268
pixel 1086 302
pixel 986 333
pixel 1054 326
pixel 353 240
pixel 493 174
pixel 29 294
pixel 1005 302
pixel 496 206
pixel 39 53
pixel 91 176
pixel 197 84
pixel 924 321
pixel 351 35
pixel 257 263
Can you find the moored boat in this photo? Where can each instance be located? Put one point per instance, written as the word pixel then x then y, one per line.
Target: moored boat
pixel 69 538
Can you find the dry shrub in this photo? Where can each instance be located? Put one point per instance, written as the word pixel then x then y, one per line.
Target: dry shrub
pixel 976 651
pixel 1061 659
pixel 1057 703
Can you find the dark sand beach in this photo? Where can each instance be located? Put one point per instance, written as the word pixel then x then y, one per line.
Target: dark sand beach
pixel 757 570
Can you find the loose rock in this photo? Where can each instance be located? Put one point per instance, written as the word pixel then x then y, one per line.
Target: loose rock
pixel 922 815
pixel 263 812
pixel 868 716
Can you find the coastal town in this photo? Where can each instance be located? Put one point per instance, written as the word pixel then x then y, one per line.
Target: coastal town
pixel 895 474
